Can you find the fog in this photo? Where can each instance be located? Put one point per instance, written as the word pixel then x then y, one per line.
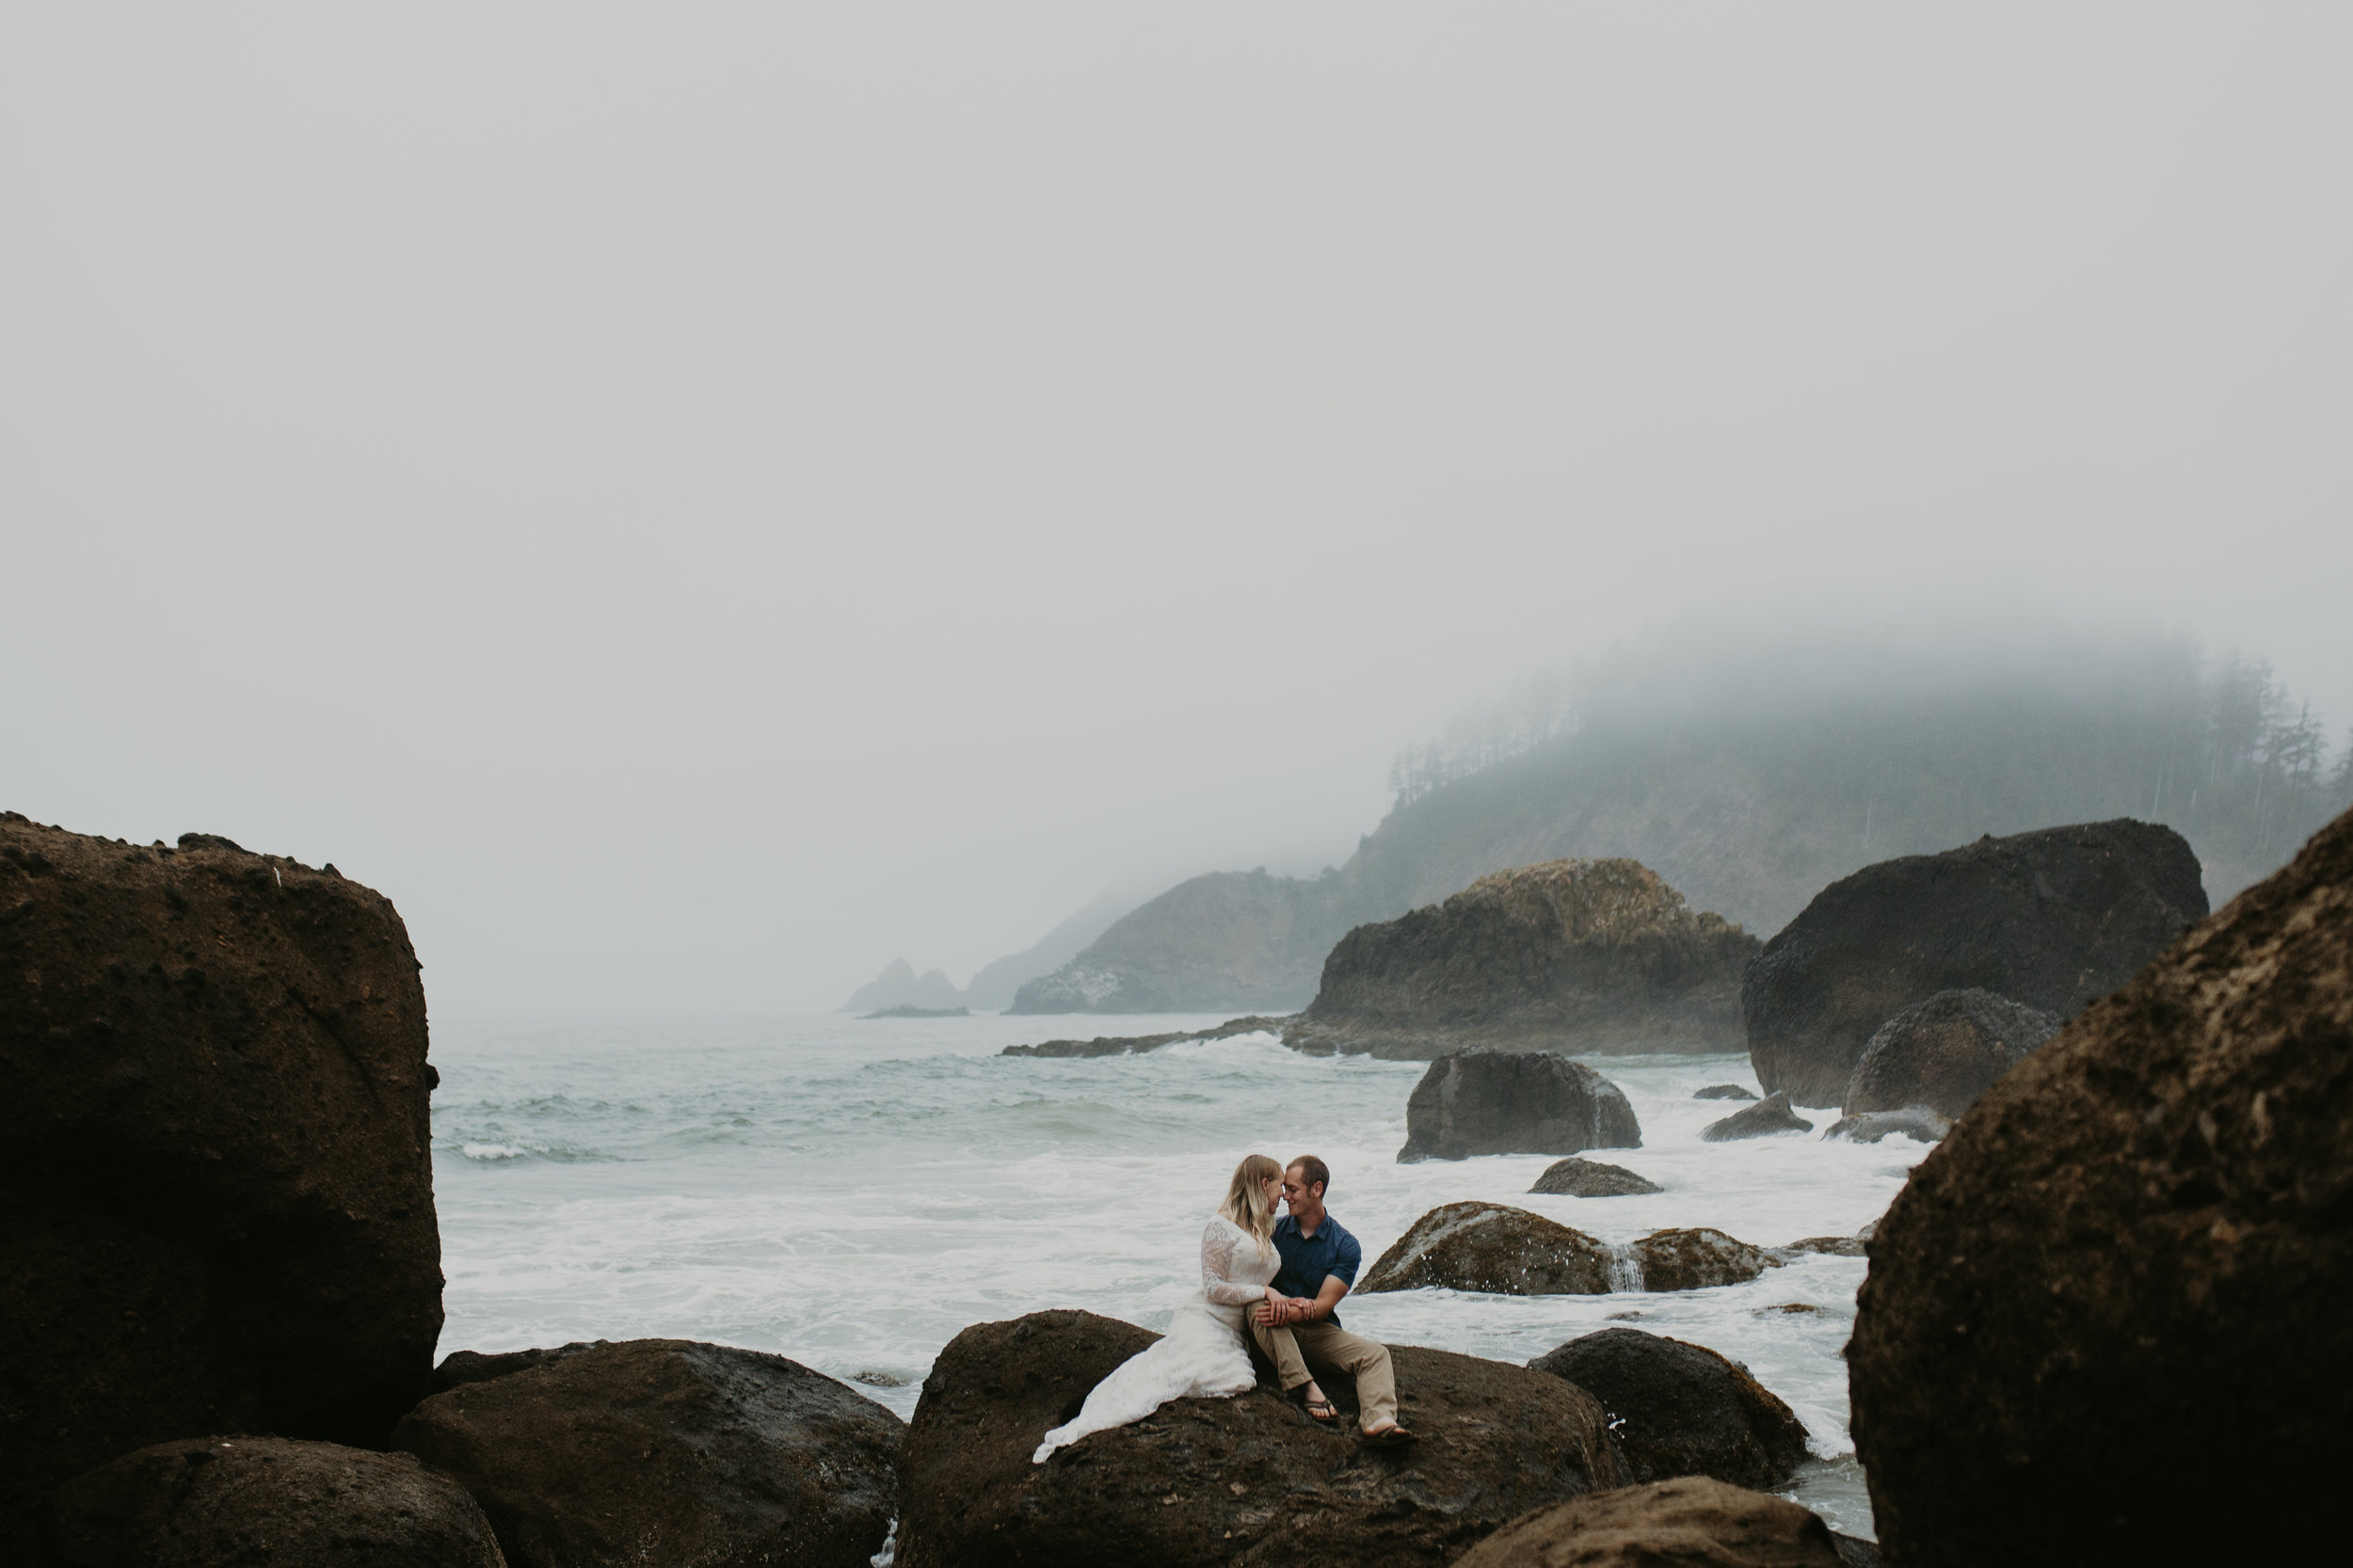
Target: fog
pixel 696 502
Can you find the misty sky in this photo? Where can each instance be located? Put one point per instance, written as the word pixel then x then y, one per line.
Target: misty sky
pixel 696 501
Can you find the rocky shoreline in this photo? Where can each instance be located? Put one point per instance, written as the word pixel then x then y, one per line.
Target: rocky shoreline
pixel 223 1293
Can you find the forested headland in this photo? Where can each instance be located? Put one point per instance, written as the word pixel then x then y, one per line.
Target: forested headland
pixel 1750 778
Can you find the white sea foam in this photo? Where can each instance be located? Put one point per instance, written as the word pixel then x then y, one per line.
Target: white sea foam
pixel 854 1193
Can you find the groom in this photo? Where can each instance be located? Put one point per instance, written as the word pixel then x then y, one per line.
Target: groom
pixel 1296 1324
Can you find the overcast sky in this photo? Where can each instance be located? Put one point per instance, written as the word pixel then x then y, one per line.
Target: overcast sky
pixel 694 502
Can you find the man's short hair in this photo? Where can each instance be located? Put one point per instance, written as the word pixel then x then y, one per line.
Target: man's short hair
pixel 1313 1172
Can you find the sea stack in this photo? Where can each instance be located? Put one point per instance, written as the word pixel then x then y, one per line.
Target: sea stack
pixel 2054 919
pixel 1583 956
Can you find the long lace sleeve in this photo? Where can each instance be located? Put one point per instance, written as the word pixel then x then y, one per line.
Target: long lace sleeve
pixel 1218 1241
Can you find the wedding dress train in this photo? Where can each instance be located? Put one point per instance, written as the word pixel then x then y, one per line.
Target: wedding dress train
pixel 1201 1355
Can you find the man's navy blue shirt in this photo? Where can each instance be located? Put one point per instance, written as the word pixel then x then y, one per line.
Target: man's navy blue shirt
pixel 1308 1259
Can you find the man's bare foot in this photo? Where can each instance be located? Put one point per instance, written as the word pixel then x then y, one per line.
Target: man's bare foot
pixel 1388 1433
pixel 1321 1409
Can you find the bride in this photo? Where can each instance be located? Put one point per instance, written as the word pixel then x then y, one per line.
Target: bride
pixel 1202 1354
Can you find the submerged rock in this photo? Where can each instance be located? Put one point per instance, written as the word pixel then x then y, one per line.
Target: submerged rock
pixel 1591 1179
pixel 215 1155
pixel 1680 1409
pixel 1245 1479
pixel 1766 1117
pixel 1944 1052
pixel 1506 1102
pixel 1699 1259
pixel 1919 1123
pixel 226 1502
pixel 1685 1523
pixel 2136 1247
pixel 1582 956
pixel 1491 1247
pixel 2054 918
pixel 1723 1092
pixel 1833 1246
pixel 666 1450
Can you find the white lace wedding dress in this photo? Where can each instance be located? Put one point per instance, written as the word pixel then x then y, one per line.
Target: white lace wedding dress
pixel 1201 1355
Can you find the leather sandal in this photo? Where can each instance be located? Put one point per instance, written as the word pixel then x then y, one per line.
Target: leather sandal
pixel 1322 1412
pixel 1389 1437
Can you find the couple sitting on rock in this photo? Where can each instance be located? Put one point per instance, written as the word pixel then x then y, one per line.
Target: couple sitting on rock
pixel 1280 1279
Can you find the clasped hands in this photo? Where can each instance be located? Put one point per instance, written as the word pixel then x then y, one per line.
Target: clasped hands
pixel 1277 1310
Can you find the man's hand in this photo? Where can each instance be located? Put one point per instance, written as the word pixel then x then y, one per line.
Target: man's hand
pixel 1270 1311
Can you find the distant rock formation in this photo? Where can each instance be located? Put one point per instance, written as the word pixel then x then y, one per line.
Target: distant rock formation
pixel 1254 1479
pixel 1944 1052
pixel 1573 955
pixel 1680 1409
pixel 215 1155
pixel 899 986
pixel 2138 1239
pixel 1231 941
pixel 226 1502
pixel 664 1450
pixel 1128 1045
pixel 994 986
pixel 1766 1117
pixel 1475 1102
pixel 1672 1524
pixel 907 1009
pixel 2055 920
pixel 1591 1179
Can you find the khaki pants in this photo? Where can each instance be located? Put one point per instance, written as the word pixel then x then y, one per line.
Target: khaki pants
pixel 1293 1348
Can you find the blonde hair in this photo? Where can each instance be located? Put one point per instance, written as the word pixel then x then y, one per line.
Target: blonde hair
pixel 1246 1202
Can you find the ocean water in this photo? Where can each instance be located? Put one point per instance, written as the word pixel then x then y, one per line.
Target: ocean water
pixel 851 1192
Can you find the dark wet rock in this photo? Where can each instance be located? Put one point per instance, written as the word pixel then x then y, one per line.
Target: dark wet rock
pixel 459 1368
pixel 2137 1245
pixel 1946 1051
pixel 1920 1122
pixel 1572 956
pixel 1835 1246
pixel 2054 919
pixel 214 1155
pixel 1871 1228
pixel 1126 1045
pixel 1591 1179
pixel 1510 1102
pixel 666 1450
pixel 226 1502
pixel 1690 1522
pixel 1681 1409
pixel 1723 1092
pixel 1491 1247
pixel 1248 1480
pixel 1766 1117
pixel 1854 1551
pixel 1699 1259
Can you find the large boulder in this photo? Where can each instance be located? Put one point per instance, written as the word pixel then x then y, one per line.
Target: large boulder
pixel 2105 1318
pixel 1692 1522
pixel 226 1502
pixel 214 1155
pixel 1246 1479
pixel 2055 920
pixel 1697 1258
pixel 1766 1117
pixel 1590 1178
pixel 1492 1247
pixel 1483 1102
pixel 1944 1052
pixel 1583 956
pixel 1680 1409
pixel 664 1450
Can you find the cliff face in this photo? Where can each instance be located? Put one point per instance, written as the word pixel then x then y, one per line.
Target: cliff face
pixel 1572 956
pixel 1231 941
